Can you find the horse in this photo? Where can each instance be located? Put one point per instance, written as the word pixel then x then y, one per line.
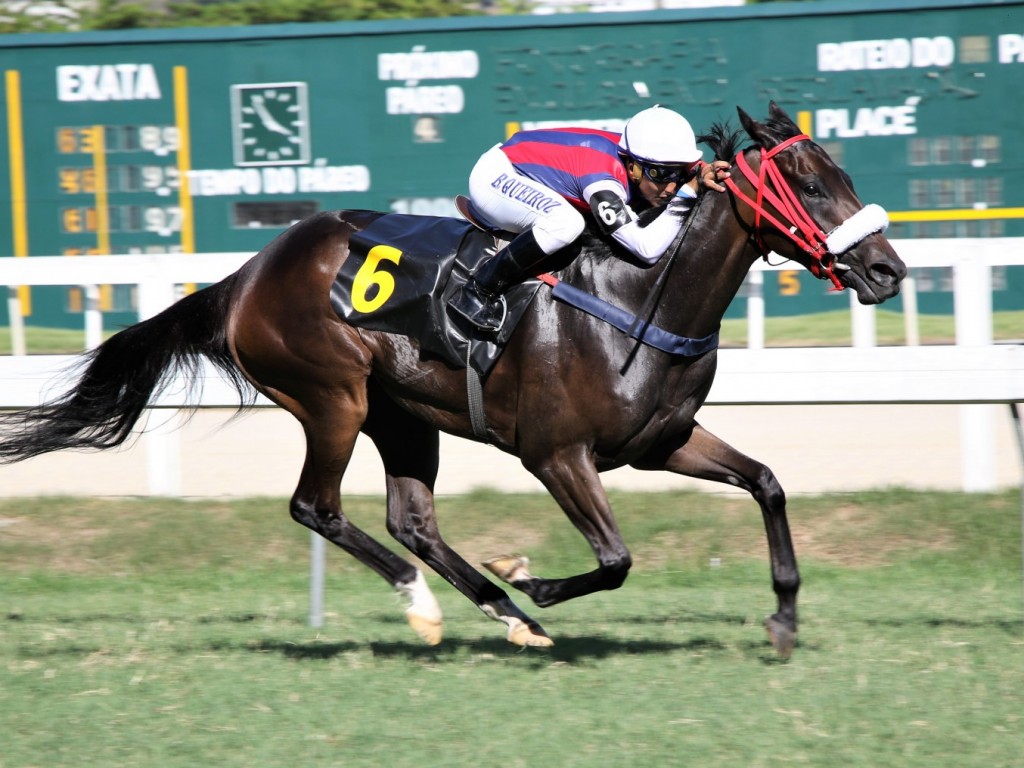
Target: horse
pixel 570 395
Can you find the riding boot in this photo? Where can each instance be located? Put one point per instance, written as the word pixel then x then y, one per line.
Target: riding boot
pixel 479 300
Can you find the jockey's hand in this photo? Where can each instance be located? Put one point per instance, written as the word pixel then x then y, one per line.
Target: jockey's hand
pixel 712 173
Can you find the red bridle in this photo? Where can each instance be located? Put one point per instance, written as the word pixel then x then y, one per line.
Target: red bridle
pixel 770 186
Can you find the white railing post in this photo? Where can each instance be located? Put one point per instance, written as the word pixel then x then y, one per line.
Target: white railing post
pixel 93 316
pixel 163 443
pixel 155 296
pixel 862 320
pixel 18 346
pixel 972 305
pixel 755 309
pixel 911 322
pixel 163 452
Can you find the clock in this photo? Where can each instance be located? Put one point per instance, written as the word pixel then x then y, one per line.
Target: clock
pixel 271 124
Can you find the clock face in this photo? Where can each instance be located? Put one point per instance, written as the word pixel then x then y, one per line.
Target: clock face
pixel 271 123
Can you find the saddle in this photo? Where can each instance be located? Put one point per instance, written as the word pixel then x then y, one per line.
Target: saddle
pixel 403 269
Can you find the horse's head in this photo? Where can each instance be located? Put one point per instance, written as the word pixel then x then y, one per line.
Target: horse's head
pixel 803 207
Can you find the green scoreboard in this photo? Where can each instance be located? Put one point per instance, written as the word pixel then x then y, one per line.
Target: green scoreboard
pixel 211 140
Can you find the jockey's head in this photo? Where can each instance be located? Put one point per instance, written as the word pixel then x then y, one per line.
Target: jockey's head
pixel 659 150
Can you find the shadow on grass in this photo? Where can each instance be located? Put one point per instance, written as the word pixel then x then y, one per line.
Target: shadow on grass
pixel 569 650
pixel 697 636
pixel 134 618
pixel 1005 625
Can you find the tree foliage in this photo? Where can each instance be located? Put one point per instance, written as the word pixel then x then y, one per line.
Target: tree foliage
pixel 79 15
pixel 67 15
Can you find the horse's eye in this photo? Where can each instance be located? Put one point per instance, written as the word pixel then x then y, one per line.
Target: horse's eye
pixel 811 190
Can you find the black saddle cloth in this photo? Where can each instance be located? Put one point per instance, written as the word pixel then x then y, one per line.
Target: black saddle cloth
pixel 400 274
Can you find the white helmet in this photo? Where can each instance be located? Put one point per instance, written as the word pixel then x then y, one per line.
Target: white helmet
pixel 660 135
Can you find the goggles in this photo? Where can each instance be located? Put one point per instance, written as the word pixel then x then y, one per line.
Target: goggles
pixel 669 174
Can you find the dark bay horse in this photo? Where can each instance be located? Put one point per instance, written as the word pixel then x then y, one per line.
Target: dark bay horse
pixel 571 395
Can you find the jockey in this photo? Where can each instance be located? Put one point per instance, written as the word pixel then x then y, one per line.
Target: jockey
pixel 540 183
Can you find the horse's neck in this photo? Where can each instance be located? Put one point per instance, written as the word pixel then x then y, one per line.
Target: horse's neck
pixel 705 272
pixel 720 253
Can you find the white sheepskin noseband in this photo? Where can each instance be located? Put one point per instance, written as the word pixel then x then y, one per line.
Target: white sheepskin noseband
pixel 868 220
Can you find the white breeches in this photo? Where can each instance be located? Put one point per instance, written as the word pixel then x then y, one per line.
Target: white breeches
pixel 516 203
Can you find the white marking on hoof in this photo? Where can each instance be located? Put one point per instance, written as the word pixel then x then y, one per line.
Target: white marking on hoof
pixel 423 612
pixel 509 568
pixel 519 632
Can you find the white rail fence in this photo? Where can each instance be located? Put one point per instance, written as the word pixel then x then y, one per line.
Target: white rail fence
pixel 974 373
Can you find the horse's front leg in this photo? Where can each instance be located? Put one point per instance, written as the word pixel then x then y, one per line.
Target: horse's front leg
pixel 705 456
pixel 571 478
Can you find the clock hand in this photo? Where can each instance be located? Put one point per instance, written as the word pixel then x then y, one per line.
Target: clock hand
pixel 266 118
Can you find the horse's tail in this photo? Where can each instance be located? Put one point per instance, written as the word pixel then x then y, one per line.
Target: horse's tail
pixel 121 376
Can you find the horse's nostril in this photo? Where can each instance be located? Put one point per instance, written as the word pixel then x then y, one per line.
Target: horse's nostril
pixel 884 274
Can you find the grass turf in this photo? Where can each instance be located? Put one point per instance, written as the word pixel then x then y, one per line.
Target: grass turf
pixel 172 633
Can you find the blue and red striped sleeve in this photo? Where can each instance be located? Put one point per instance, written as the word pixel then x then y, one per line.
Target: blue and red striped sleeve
pixel 567 160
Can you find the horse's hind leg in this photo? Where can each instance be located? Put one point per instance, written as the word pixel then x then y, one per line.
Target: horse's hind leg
pixel 316 504
pixel 707 457
pixel 409 450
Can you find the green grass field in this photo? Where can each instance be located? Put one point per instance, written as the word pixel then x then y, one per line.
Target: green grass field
pixel 825 329
pixel 143 632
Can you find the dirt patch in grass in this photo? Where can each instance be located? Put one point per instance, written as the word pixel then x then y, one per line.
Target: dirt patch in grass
pixel 30 542
pixel 83 536
pixel 852 535
pixel 505 538
pixel 847 535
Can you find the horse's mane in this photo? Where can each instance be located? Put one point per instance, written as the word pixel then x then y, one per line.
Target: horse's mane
pixel 723 140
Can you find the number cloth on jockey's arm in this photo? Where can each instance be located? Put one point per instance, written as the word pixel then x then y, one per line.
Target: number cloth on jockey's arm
pixel 608 202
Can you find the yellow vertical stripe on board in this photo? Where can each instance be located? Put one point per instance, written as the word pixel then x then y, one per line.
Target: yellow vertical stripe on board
pixel 511 128
pixel 188 236
pixel 804 122
pixel 188 231
pixel 99 169
pixel 19 200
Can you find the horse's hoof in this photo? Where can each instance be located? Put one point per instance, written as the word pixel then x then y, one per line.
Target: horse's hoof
pixel 427 628
pixel 424 612
pixel 522 634
pixel 509 568
pixel 783 637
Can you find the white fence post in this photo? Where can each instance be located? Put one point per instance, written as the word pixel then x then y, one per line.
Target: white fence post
pixel 93 316
pixel 17 322
pixel 862 321
pixel 755 309
pixel 163 452
pixel 163 442
pixel 911 322
pixel 972 301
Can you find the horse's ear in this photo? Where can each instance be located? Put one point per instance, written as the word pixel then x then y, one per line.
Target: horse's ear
pixel 753 128
pixel 775 129
pixel 775 112
pixel 745 120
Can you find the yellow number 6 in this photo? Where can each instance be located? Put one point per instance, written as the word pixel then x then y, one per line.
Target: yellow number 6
pixel 369 275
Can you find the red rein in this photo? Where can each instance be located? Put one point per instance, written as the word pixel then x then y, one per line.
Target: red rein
pixel 799 227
